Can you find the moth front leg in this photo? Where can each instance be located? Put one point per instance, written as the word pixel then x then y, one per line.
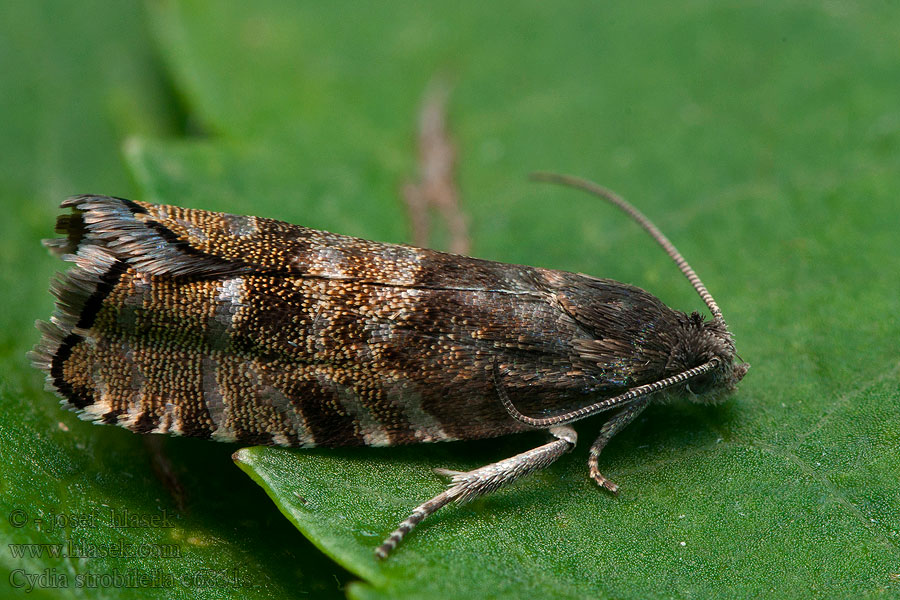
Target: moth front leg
pixel 616 423
pixel 466 486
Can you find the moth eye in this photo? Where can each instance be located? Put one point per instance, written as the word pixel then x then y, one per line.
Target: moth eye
pixel 702 384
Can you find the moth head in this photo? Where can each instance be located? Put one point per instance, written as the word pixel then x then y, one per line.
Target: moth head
pixel 700 342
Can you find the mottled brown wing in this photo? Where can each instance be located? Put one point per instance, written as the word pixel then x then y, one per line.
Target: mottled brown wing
pixel 241 328
pixel 169 240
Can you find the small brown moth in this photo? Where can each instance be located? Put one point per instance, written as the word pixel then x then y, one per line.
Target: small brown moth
pixel 247 329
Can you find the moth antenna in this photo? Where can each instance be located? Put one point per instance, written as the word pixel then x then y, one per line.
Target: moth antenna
pixel 603 405
pixel 645 223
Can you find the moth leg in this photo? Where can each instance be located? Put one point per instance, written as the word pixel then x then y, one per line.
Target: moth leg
pixel 614 425
pixel 466 486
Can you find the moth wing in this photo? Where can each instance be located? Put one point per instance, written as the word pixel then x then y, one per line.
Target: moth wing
pixel 183 321
pixel 169 240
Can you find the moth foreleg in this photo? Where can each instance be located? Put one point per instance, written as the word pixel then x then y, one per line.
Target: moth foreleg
pixel 614 425
pixel 466 486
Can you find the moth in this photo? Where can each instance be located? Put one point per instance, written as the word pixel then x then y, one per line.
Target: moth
pixel 246 329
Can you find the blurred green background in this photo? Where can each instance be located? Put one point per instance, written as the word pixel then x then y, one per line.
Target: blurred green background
pixel 763 138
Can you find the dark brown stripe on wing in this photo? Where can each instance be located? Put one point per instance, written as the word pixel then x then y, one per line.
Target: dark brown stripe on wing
pixel 145 423
pixel 112 417
pixel 83 396
pixel 327 422
pixel 93 304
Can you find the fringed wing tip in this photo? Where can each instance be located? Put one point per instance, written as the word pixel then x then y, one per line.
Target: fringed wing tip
pixel 136 234
pixel 41 356
pixel 58 246
pixel 70 225
pixel 74 201
pixel 39 359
